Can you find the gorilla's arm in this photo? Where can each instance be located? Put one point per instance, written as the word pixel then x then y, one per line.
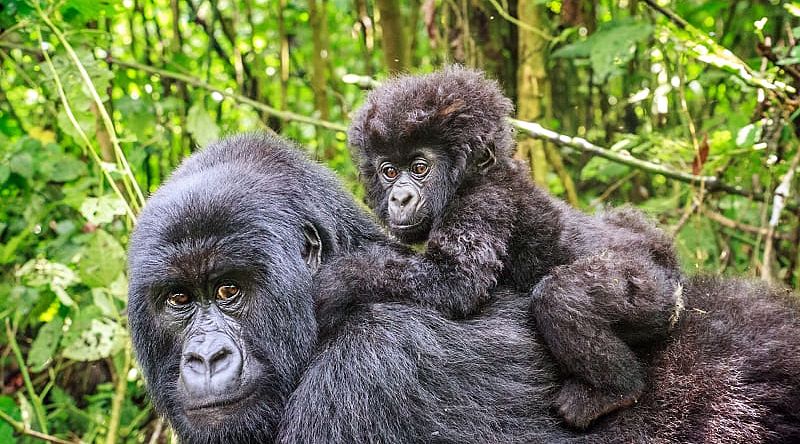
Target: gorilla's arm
pixel 462 262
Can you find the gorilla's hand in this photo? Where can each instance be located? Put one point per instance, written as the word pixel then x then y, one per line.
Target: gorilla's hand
pixel 351 281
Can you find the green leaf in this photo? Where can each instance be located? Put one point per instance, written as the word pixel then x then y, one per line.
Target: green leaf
pixel 603 170
pixel 609 48
pixel 5 172
pixel 41 272
pixel 200 125
pixel 103 260
pixel 101 339
pixel 101 210
pixel 45 344
pixel 697 245
pixel 62 169
pixel 747 136
pixel 9 407
pixel 22 164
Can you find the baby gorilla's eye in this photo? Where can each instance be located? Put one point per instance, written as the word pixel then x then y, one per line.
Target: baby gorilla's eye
pixel 178 299
pixel 420 168
pixel 389 172
pixel 226 292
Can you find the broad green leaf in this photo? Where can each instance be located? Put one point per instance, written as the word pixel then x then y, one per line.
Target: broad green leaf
pixel 200 125
pixel 609 48
pixel 45 344
pixel 101 210
pixel 5 172
pixel 41 272
pixel 103 260
pixel 9 407
pixel 22 164
pixel 697 245
pixel 101 339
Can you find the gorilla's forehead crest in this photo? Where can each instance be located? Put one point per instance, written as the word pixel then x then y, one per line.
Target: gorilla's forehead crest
pixel 458 106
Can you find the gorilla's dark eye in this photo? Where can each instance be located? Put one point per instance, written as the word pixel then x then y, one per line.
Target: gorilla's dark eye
pixel 226 292
pixel 178 299
pixel 420 168
pixel 389 171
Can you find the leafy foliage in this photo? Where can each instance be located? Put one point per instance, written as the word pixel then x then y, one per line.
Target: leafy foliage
pixel 711 90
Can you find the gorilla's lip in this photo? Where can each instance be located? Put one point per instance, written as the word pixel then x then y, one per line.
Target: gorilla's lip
pixel 217 403
pixel 406 226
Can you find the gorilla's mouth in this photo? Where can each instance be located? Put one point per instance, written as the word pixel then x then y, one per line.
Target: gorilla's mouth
pixel 410 226
pixel 204 407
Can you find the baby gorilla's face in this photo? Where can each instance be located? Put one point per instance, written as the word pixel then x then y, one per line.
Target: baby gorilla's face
pixel 413 192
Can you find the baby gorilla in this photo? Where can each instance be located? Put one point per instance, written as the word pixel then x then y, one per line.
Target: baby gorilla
pixel 435 154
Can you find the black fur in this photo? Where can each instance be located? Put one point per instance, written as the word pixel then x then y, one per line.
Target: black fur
pixel 610 281
pixel 394 372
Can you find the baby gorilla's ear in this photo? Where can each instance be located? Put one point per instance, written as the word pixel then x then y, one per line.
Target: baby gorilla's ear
pixel 312 249
pixel 488 159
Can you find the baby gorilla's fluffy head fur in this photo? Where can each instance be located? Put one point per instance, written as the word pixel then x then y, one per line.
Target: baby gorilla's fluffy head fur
pixel 456 109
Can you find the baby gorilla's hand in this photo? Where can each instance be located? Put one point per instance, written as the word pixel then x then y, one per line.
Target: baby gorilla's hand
pixel 346 283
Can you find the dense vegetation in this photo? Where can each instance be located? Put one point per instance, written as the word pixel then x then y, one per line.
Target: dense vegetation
pixel 685 109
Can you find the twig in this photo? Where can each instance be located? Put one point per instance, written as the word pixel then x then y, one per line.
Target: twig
pixel 119 395
pixel 712 183
pixel 730 223
pixel 287 115
pixel 709 51
pixel 157 432
pixel 84 138
pixel 778 203
pixel 26 378
pixel 137 197
pixel 21 428
pixel 503 13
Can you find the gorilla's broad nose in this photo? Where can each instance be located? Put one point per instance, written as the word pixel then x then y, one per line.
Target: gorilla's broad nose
pixel 211 365
pixel 402 198
pixel 403 202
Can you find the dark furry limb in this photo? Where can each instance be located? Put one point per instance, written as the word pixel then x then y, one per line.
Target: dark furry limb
pixel 400 373
pixel 611 280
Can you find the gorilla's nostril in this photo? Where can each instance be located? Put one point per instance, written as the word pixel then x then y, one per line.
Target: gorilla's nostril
pixel 220 361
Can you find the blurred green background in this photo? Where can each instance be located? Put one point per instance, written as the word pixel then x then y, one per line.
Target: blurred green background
pixel 685 109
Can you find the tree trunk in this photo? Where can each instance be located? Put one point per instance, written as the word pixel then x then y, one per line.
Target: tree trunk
pixel 395 53
pixel 532 87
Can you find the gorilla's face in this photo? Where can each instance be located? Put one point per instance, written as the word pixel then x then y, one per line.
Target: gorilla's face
pixel 220 312
pixel 410 189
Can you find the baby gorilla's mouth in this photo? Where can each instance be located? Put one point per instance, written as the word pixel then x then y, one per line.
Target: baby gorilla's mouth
pixel 406 226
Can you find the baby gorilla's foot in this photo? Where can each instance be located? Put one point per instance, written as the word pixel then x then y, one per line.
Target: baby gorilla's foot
pixel 580 404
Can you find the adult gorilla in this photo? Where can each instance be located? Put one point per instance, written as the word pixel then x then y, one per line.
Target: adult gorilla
pixel 222 320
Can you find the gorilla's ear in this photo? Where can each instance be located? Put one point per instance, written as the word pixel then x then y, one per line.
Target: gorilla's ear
pixel 489 158
pixel 312 250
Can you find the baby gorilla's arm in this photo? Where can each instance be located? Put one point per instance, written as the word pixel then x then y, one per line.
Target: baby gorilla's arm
pixel 463 260
pixel 588 312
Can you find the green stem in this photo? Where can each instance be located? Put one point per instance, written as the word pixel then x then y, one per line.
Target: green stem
pixel 287 115
pixel 84 138
pixel 38 408
pixel 119 396
pixel 20 428
pixel 138 200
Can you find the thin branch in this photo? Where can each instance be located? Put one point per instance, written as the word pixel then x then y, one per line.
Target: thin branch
pixel 778 204
pixel 712 183
pixel 739 226
pixel 503 13
pixel 22 429
pixel 287 115
pixel 709 51
pixel 38 409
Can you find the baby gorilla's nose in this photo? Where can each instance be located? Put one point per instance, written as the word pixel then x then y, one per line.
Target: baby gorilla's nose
pixel 211 365
pixel 403 202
